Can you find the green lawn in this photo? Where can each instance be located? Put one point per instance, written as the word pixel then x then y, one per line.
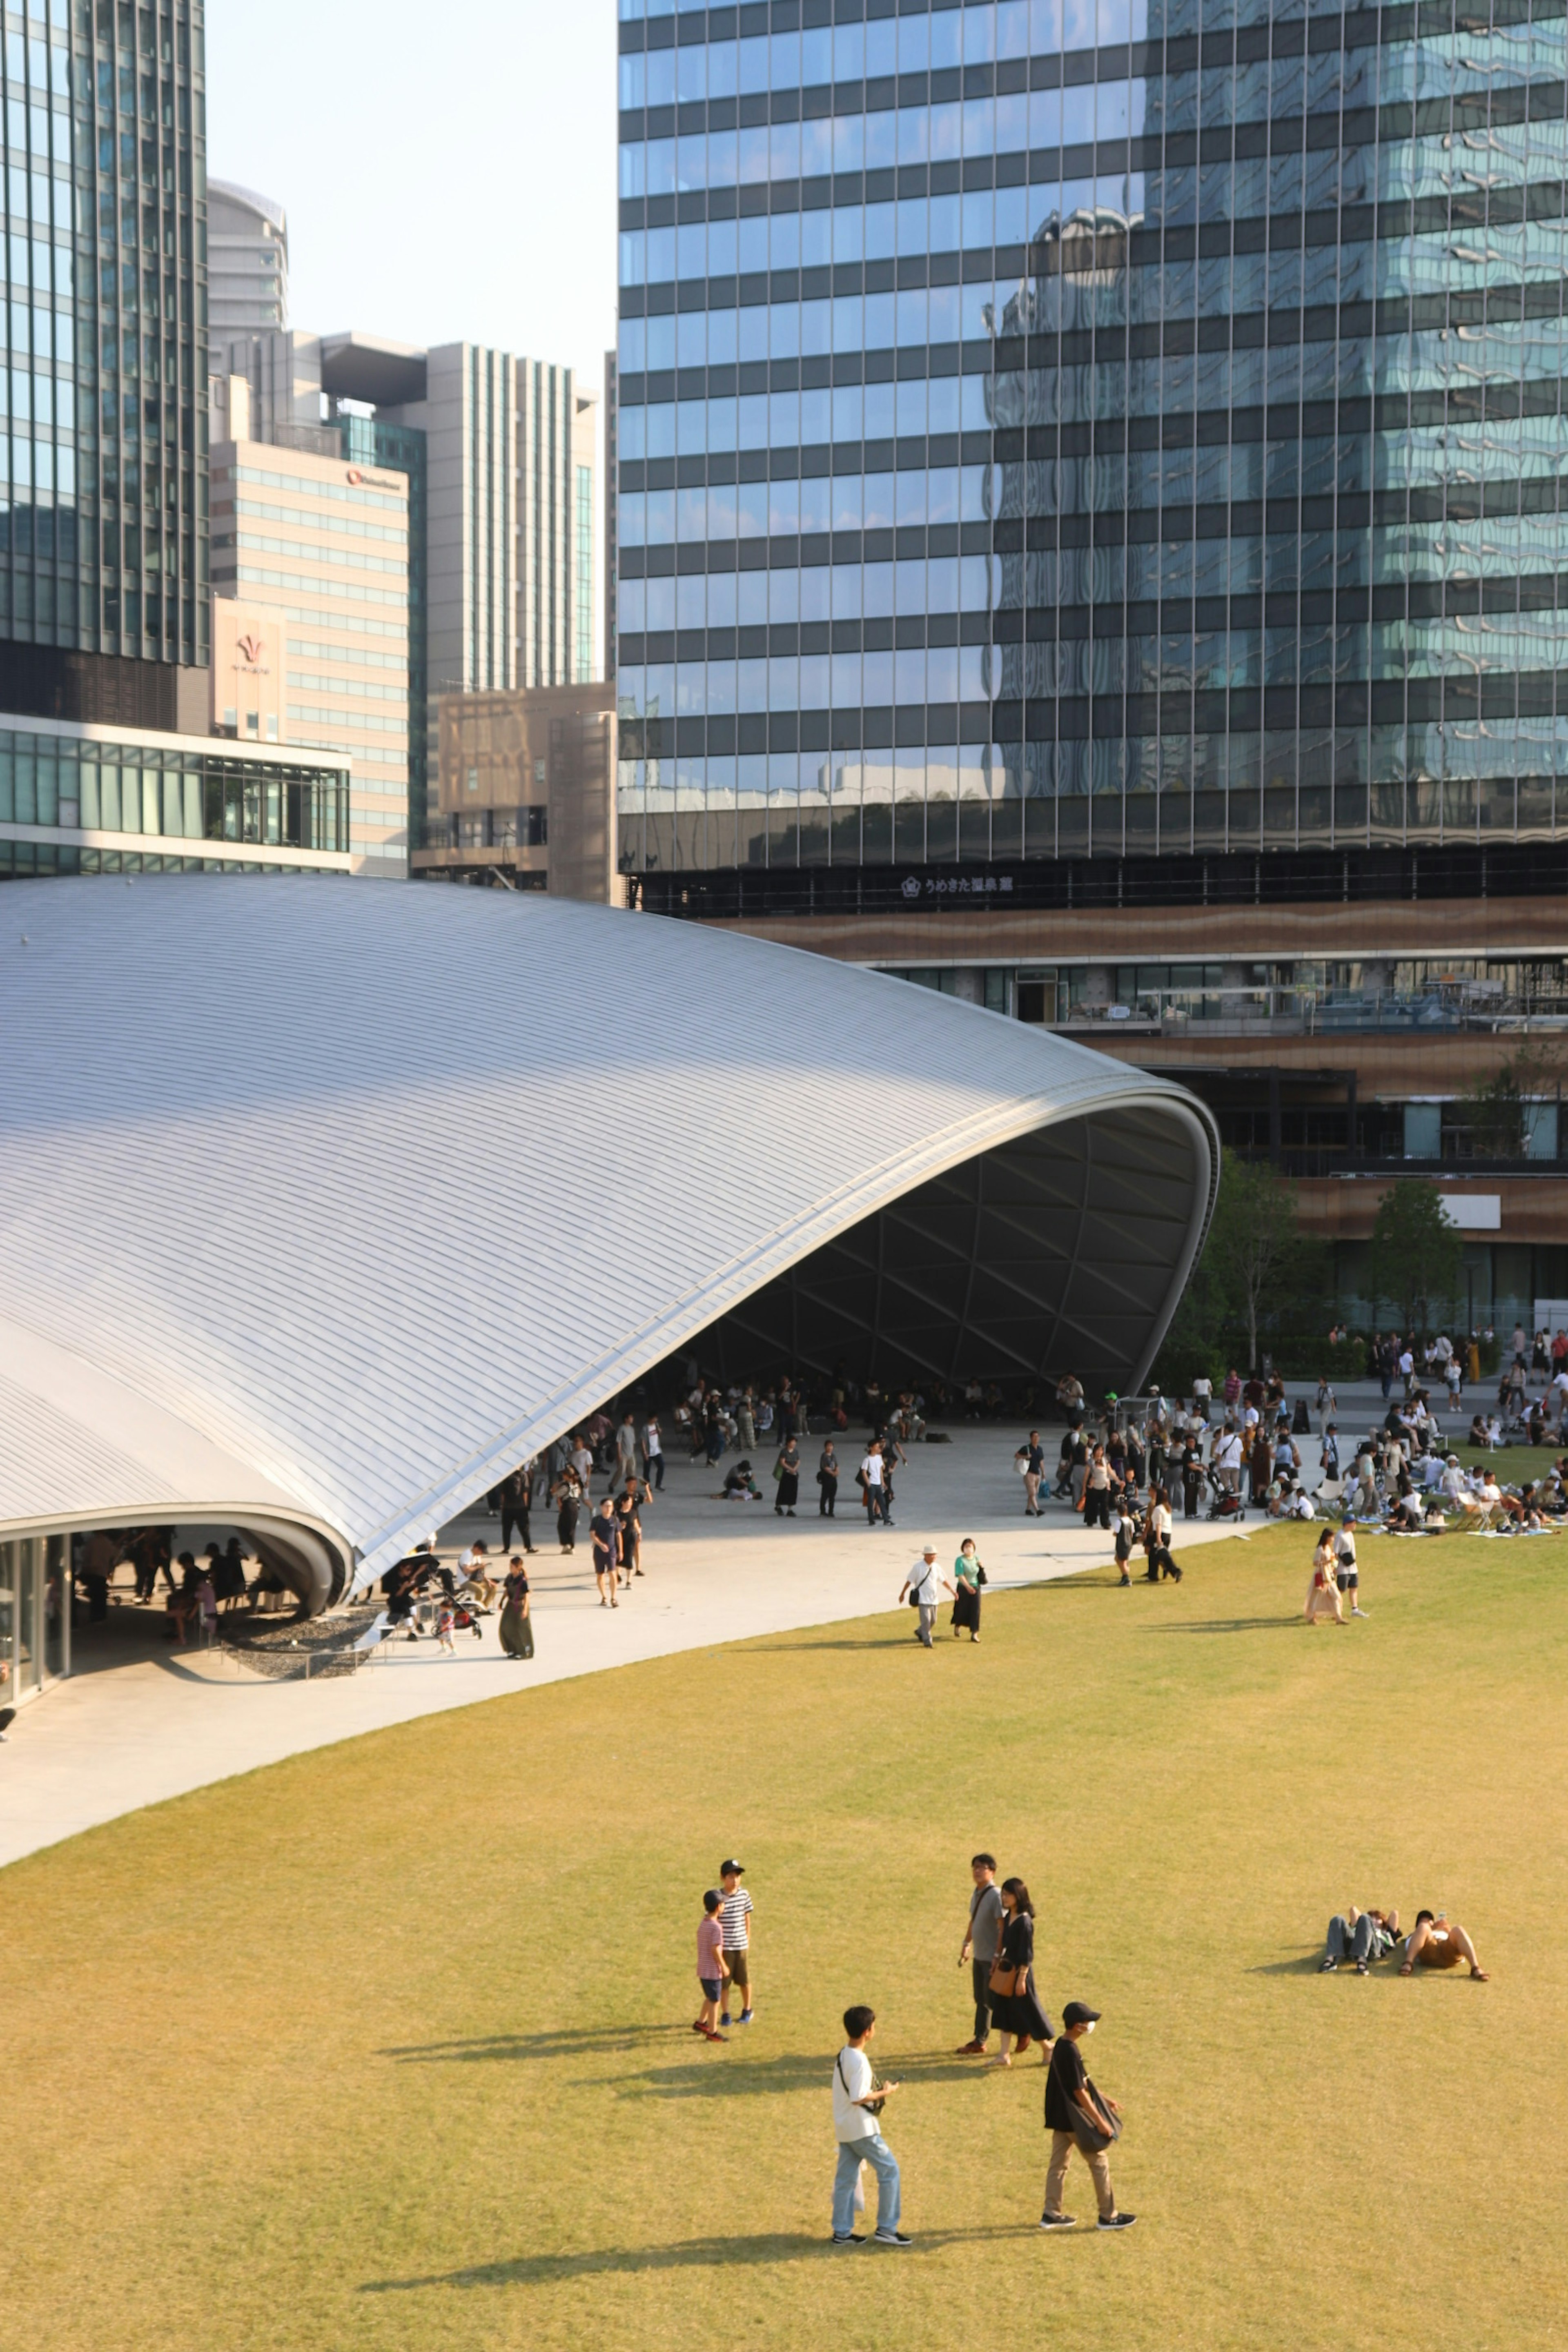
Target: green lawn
pixel 388 2046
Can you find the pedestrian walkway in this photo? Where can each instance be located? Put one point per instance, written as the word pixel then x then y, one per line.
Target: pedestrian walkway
pixel 110 1740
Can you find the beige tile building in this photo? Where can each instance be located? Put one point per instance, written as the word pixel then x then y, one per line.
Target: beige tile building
pixel 250 689
pixel 524 791
pixel 324 547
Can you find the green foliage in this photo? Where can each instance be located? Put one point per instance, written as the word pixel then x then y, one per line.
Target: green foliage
pixel 1417 1257
pixel 1496 1114
pixel 1256 1275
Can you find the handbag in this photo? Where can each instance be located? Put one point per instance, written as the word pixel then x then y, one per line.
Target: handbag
pixel 1089 2135
pixel 980 1575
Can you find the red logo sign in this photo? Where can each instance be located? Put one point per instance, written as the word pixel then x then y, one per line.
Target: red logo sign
pixel 354 474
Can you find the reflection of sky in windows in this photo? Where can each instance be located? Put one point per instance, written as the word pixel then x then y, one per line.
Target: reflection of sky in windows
pixel 1095 547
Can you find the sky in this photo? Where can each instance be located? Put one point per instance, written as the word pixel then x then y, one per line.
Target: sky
pixel 448 169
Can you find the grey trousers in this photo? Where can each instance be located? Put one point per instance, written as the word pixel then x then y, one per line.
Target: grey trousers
pixel 980 1976
pixel 1347 1943
pixel 926 1620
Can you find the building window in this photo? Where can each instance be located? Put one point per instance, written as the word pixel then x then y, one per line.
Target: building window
pixel 584 561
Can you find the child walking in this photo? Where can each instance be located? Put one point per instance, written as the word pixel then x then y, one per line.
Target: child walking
pixel 446 1620
pixel 712 1970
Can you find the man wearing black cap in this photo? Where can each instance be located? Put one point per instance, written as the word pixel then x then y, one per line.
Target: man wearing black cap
pixel 736 1913
pixel 1073 2106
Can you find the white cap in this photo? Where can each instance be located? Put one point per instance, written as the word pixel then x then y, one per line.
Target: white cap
pixel 929 1550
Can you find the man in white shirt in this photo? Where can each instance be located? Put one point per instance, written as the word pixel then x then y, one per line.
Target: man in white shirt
pixel 582 1460
pixel 1407 1366
pixel 858 2101
pixel 1226 1459
pixel 872 1492
pixel 1557 1396
pixel 925 1586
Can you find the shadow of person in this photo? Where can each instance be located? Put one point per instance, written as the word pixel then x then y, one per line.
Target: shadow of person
pixel 487 2048
pixel 684 2253
pixel 1235 1625
pixel 1307 1965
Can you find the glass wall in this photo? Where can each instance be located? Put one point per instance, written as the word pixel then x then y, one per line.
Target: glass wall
pixel 34 1614
pixel 104 786
pixel 1049 429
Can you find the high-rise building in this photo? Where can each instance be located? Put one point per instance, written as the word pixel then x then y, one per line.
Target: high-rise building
pixel 503 476
pixel 102 544
pixel 556 468
pixel 1089 531
pixel 611 470
pixel 247 267
pixel 106 764
pixel 324 545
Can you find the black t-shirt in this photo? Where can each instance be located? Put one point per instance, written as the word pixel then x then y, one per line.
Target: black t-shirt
pixel 1066 2074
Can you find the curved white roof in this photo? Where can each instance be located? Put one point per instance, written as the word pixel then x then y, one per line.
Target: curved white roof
pixel 326 1202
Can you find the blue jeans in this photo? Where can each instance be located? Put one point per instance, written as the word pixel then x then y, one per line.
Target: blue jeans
pixel 875 2152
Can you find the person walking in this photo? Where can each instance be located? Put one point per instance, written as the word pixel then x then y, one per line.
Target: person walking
pixel 711 1969
pixel 858 2099
pixel 1016 2004
pixel 1157 1539
pixel 737 1908
pixel 981 1941
pixel 786 1477
pixel 1031 1460
pixel 625 1448
pixel 628 1519
pixel 828 1482
pixel 968 1576
pixel 869 1478
pixel 567 1497
pixel 1077 2116
pixel 653 1454
pixel 516 1501
pixel 1323 1592
pixel 606 1539
pixel 516 1626
pixel 925 1585
pixel 1097 1492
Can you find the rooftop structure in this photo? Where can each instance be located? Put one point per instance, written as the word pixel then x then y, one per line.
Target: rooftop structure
pixel 252 1274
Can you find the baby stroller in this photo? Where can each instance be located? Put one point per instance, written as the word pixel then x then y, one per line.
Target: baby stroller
pixel 1224 1505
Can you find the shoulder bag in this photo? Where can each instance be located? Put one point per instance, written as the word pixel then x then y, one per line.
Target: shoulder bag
pixel 1089 2135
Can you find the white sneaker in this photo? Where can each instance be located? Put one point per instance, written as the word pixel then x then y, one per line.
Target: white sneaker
pixel 1358 1613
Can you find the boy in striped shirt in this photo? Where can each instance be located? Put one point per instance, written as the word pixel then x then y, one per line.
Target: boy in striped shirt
pixel 736 1912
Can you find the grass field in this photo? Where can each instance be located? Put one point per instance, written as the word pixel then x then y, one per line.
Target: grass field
pixel 387 2046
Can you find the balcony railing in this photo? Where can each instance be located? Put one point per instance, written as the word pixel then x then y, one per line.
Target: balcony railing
pixel 1304 1013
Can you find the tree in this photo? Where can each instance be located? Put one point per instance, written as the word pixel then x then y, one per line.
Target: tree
pixel 1255 1233
pixel 1417 1255
pixel 1498 1113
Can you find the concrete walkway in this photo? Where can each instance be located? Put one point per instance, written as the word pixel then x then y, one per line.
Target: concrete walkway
pixel 127 1731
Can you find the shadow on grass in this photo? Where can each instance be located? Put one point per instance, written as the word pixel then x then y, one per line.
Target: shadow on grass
pixel 562 2045
pixel 1308 1964
pixel 712 2078
pixel 1235 1625
pixel 686 2253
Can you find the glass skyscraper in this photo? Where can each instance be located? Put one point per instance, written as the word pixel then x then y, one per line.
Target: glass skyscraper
pixel 1057 438
pixel 102 512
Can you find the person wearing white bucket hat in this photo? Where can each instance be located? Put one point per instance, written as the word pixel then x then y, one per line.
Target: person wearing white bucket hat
pixel 925 1586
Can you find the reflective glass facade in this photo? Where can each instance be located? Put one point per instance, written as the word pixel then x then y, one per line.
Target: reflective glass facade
pixel 102 514
pixel 1051 433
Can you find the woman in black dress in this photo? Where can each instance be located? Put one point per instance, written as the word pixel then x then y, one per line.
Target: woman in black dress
pixel 788 1473
pixel 1018 2012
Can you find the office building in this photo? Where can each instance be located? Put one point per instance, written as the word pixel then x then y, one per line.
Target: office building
pixel 279 376
pixel 249 672
pixel 324 546
pixel 248 266
pixel 611 525
pixel 78 797
pixel 503 471
pixel 1090 529
pixel 103 543
pixel 526 791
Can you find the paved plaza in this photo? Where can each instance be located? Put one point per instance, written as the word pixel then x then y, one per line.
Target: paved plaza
pixel 138 1721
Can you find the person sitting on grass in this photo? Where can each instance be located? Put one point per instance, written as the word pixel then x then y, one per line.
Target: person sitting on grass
pixel 1363 1936
pixel 1434 1944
